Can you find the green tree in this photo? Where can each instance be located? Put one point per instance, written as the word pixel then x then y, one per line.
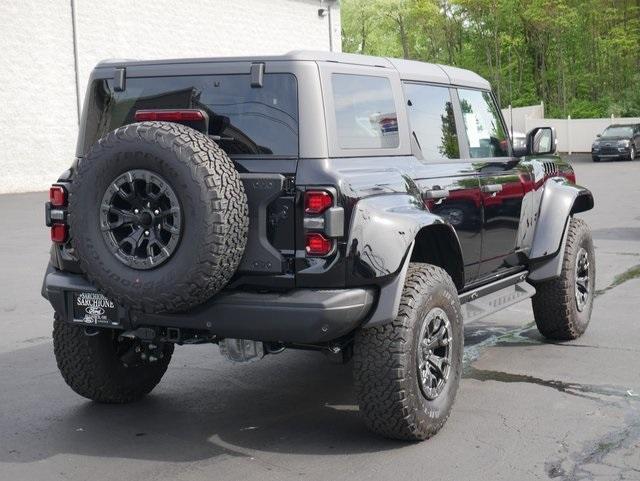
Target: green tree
pixel 581 57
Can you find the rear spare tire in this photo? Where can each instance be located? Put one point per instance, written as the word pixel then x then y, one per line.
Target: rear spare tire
pixel 158 216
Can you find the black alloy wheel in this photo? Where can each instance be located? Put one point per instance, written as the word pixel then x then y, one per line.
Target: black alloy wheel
pixel 140 219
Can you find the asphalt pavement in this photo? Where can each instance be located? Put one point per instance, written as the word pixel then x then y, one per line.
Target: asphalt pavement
pixel 526 409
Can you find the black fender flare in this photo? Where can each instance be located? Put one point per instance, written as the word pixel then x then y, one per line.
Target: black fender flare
pixel 560 200
pixel 383 232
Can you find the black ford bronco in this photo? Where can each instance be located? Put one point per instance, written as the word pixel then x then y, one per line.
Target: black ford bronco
pixel 360 206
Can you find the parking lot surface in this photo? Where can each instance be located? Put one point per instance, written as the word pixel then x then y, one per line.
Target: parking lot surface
pixel 526 409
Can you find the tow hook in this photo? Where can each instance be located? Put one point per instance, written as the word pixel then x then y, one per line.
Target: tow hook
pixel 142 347
pixel 142 352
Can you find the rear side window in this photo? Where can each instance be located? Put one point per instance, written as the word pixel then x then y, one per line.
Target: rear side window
pixel 485 132
pixel 251 121
pixel 365 112
pixel 432 121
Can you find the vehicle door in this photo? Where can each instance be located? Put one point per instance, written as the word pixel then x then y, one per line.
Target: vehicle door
pixel 449 184
pixel 501 179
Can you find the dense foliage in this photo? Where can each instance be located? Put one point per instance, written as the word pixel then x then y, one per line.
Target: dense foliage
pixel 581 57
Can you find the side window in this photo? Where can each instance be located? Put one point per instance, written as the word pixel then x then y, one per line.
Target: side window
pixel 365 112
pixel 485 132
pixel 432 121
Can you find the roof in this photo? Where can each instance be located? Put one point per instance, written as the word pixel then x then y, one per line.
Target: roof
pixel 408 69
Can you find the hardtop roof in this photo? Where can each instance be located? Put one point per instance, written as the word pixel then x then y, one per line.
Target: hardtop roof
pixel 408 69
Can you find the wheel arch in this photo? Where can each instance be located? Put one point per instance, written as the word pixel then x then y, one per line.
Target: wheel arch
pixel 560 201
pixel 438 245
pixel 395 230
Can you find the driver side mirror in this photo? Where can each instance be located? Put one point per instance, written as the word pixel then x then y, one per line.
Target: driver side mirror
pixel 540 141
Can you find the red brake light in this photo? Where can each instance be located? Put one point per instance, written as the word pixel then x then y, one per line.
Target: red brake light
pixel 58 196
pixel 317 201
pixel 168 115
pixel 317 245
pixel 58 233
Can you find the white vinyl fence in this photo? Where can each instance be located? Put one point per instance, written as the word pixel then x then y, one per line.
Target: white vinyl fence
pixel 577 135
pixel 516 117
pixel 574 135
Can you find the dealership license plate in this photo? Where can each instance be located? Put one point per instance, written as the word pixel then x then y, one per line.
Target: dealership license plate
pixel 95 309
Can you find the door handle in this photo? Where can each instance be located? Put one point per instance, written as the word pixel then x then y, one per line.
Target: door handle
pixel 434 194
pixel 491 188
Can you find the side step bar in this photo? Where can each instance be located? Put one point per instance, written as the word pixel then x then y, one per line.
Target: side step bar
pixel 494 297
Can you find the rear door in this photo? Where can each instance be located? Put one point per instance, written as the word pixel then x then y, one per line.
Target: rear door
pixel 502 190
pixel 450 184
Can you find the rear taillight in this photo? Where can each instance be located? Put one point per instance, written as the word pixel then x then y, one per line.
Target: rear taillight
pixel 58 196
pixel 56 213
pixel 169 115
pixel 317 201
pixel 323 221
pixel 59 233
pixel 317 245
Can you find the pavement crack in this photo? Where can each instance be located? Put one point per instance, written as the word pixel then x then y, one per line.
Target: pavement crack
pixel 629 274
pixel 596 455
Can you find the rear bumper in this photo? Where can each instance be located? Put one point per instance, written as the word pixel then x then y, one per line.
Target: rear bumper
pixel 298 315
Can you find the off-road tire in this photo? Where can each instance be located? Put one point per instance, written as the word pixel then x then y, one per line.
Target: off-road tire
pixel 215 216
pixel 90 365
pixel 385 363
pixel 554 305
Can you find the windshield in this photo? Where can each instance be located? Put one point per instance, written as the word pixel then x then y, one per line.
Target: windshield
pixel 618 132
pixel 250 121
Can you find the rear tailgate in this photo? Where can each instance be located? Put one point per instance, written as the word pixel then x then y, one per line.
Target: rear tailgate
pixel 257 125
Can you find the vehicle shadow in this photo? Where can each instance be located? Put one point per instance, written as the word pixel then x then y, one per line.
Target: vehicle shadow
pixel 295 403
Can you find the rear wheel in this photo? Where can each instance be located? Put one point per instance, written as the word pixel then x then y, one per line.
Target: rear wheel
pixel 595 158
pixel 562 306
pixel 101 367
pixel 407 372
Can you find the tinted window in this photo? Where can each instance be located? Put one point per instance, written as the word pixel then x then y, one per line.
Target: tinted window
pixel 365 112
pixel 251 121
pixel 432 121
pixel 485 132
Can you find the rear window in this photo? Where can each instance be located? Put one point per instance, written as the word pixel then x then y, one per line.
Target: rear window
pixel 365 112
pixel 252 121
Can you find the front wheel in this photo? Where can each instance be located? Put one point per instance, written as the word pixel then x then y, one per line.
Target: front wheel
pixel 562 306
pixel 407 371
pixel 101 367
pixel 632 153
